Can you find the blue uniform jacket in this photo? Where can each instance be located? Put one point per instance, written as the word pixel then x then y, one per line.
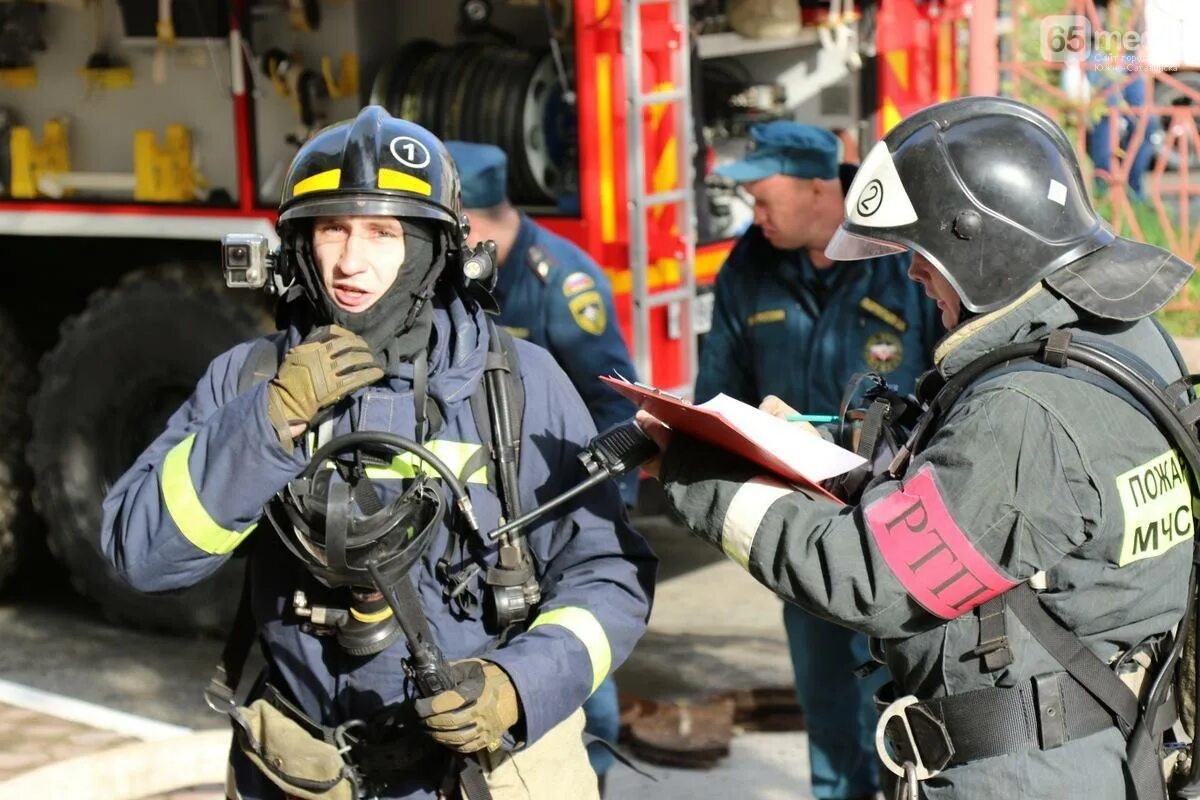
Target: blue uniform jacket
pixel 782 327
pixel 554 295
pixel 199 489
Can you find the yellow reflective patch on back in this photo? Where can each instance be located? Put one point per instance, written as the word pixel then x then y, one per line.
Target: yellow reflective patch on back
pixel 587 310
pixel 1157 502
pixel 774 315
pixel 395 179
pixel 322 181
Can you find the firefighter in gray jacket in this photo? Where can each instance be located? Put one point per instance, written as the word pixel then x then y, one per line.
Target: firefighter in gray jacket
pixel 1040 499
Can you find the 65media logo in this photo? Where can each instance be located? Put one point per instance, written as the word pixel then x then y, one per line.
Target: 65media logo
pixel 1066 37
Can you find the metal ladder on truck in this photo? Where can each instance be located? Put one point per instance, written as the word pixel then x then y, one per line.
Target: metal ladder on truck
pixel 679 300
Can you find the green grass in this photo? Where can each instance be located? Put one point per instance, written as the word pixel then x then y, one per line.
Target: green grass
pixel 1147 221
pixel 1184 322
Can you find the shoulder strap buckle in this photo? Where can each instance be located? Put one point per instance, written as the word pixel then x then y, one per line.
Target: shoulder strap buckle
pixel 993 645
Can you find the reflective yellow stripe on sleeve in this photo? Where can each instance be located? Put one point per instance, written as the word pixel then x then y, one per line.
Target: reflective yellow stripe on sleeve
pixel 745 514
pixel 183 504
pixel 587 629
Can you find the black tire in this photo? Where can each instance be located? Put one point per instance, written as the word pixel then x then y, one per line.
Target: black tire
pixel 118 371
pixel 16 384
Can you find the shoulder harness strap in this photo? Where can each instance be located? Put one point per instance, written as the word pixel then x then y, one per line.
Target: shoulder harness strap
pixel 503 365
pixel 262 362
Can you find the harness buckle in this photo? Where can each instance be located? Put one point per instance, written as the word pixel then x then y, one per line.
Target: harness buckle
pixel 895 727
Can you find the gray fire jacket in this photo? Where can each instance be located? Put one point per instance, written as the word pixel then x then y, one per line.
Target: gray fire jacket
pixel 1029 472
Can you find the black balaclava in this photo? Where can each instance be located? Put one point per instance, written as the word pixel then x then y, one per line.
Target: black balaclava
pixel 399 324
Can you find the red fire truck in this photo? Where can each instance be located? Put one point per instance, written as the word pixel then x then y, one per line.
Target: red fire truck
pixel 135 133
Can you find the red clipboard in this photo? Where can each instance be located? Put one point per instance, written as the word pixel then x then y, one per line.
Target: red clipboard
pixel 712 427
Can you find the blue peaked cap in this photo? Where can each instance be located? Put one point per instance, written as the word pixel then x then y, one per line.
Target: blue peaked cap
pixel 784 147
pixel 483 171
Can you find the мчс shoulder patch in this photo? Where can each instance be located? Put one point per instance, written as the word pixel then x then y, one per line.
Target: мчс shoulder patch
pixel 926 550
pixel 1157 504
pixel 587 310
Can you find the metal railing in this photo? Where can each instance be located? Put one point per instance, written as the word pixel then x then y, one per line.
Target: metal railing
pixel 1133 123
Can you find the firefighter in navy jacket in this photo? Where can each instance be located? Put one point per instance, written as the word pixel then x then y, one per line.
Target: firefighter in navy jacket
pixel 379 328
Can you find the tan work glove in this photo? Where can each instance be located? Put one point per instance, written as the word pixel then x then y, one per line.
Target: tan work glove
pixel 328 365
pixel 477 714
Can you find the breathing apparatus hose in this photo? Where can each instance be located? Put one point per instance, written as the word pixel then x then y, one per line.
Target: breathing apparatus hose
pixel 395 442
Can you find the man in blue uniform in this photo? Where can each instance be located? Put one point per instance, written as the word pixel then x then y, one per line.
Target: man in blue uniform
pixel 789 322
pixel 553 294
pixel 386 334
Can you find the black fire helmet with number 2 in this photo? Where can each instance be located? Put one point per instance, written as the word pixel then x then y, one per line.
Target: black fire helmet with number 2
pixel 989 190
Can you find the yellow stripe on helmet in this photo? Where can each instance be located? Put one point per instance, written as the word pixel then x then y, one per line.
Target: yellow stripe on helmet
pixel 322 181
pixel 395 179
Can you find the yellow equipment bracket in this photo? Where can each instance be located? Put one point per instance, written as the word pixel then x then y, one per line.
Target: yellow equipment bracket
pixel 31 160
pixel 164 174
pixel 19 77
pixel 108 77
pixel 346 84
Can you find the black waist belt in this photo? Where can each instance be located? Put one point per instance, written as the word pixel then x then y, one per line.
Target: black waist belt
pixel 381 751
pixel 1044 713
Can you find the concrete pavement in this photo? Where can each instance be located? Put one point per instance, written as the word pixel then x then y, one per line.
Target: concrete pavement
pixel 712 628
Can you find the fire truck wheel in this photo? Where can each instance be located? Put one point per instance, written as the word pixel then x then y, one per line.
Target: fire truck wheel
pixel 120 368
pixel 16 384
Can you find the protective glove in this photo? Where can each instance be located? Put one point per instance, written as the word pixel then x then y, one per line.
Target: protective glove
pixel 328 365
pixel 477 714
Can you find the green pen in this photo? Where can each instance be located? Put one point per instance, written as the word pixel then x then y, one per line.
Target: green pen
pixel 818 418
